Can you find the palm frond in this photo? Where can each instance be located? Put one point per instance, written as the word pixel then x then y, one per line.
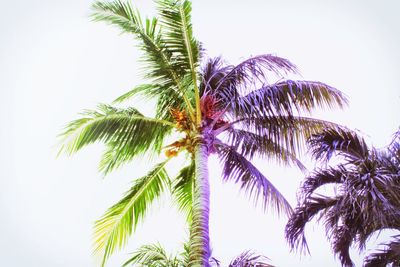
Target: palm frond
pixel 288 132
pixel 212 73
pixel 389 255
pixel 185 254
pixel 182 189
pixel 140 89
pixel 250 259
pixel 125 131
pixel 178 35
pixel 286 97
pixel 252 70
pixel 322 177
pixel 116 225
pixel 250 144
pixel 343 237
pixel 151 255
pixel 159 65
pixel 238 169
pixel 339 140
pixel 304 213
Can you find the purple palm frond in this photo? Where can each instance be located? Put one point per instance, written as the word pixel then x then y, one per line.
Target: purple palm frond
pixel 238 169
pixel 322 177
pixel 286 131
pixel 343 141
pixel 386 256
pixel 283 98
pixel 250 259
pixel 343 237
pixel 303 214
pixel 212 74
pixel 250 144
pixel 255 68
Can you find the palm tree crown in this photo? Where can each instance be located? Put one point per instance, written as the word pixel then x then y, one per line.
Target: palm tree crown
pixel 229 110
pixel 367 200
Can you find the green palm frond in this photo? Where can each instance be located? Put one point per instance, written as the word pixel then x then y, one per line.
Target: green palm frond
pixel 122 15
pixel 160 66
pixel 178 33
pixel 126 131
pixel 182 189
pixel 142 89
pixel 116 225
pixel 178 36
pixel 153 255
pixel 238 169
pixel 185 254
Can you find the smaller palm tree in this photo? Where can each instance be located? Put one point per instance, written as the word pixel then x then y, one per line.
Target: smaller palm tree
pixel 154 255
pixel 367 196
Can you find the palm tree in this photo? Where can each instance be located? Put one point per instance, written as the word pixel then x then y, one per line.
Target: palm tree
pixel 154 255
pixel 229 110
pixel 367 182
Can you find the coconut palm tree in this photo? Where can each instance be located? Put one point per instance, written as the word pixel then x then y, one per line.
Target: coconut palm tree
pixel 367 182
pixel 154 255
pixel 229 110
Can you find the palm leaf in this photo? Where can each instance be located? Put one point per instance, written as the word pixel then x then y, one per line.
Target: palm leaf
pixel 116 225
pixel 151 255
pixel 238 169
pixel 250 259
pixel 322 177
pixel 182 189
pixel 253 70
pixel 294 231
pixel 176 21
pixel 288 132
pixel 389 255
pixel 342 141
pixel 159 64
pixel 142 89
pixel 177 28
pixel 125 131
pixel 286 97
pixel 250 144
pixel 211 75
pixel 343 237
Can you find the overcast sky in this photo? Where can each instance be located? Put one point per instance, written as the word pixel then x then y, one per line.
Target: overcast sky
pixel 54 63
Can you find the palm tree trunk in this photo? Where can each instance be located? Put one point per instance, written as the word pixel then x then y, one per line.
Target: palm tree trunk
pixel 199 252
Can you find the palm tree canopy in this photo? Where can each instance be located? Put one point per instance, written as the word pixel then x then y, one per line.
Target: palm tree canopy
pixel 367 183
pixel 232 111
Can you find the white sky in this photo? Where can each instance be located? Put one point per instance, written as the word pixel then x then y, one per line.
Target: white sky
pixel 54 62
